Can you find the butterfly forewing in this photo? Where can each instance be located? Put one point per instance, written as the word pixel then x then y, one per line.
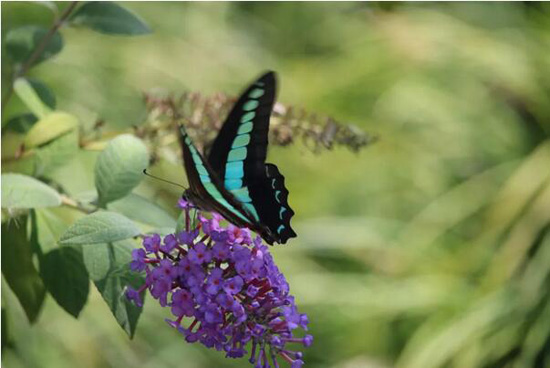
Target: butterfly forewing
pixel 238 159
pixel 206 187
pixel 244 133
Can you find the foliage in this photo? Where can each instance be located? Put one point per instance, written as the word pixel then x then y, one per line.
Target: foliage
pixel 96 246
pixel 109 18
pixel 51 139
pixel 429 249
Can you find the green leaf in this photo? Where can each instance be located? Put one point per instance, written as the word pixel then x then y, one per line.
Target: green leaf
pixel 6 330
pixel 44 92
pixel 108 267
pixel 100 258
pixel 66 278
pixel 18 268
pixel 24 89
pixel 22 41
pixel 51 5
pixel 99 227
pixel 56 154
pixel 21 123
pixel 109 18
pixel 119 168
pixel 51 227
pixel 142 210
pixel 52 126
pixel 21 191
pixel 162 231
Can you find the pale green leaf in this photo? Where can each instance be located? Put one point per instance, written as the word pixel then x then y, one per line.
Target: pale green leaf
pixel 50 127
pixel 99 227
pixel 30 98
pixel 142 210
pixel 55 154
pixel 21 191
pixel 119 168
pixel 162 231
pixel 108 267
pixel 51 227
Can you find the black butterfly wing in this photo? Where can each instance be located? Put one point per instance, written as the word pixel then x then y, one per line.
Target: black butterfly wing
pixel 249 116
pixel 238 159
pixel 205 189
pixel 275 183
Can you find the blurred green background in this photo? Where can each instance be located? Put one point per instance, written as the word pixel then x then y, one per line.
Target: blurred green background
pixel 430 248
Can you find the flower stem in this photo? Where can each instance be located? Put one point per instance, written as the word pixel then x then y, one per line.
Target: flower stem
pixel 72 203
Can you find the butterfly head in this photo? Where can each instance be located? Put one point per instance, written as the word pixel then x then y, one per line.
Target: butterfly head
pixel 189 196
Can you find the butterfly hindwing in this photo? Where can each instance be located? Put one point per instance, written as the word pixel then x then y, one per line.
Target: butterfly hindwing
pixel 270 197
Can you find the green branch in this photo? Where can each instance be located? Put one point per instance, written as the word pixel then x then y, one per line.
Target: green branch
pixel 58 22
pixel 74 204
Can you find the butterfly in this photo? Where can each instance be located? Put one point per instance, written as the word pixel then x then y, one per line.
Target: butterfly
pixel 235 180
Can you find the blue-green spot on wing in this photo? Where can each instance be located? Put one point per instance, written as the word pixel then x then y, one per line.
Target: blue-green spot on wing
pixel 276 213
pixel 206 187
pixel 238 158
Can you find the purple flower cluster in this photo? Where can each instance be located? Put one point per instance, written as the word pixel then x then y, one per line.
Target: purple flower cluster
pixel 227 286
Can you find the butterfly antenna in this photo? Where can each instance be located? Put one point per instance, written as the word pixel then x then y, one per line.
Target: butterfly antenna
pixel 164 180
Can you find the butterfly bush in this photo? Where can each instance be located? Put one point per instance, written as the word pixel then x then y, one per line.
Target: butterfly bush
pixel 223 289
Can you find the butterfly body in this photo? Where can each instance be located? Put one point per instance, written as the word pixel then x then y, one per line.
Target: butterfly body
pixel 235 180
